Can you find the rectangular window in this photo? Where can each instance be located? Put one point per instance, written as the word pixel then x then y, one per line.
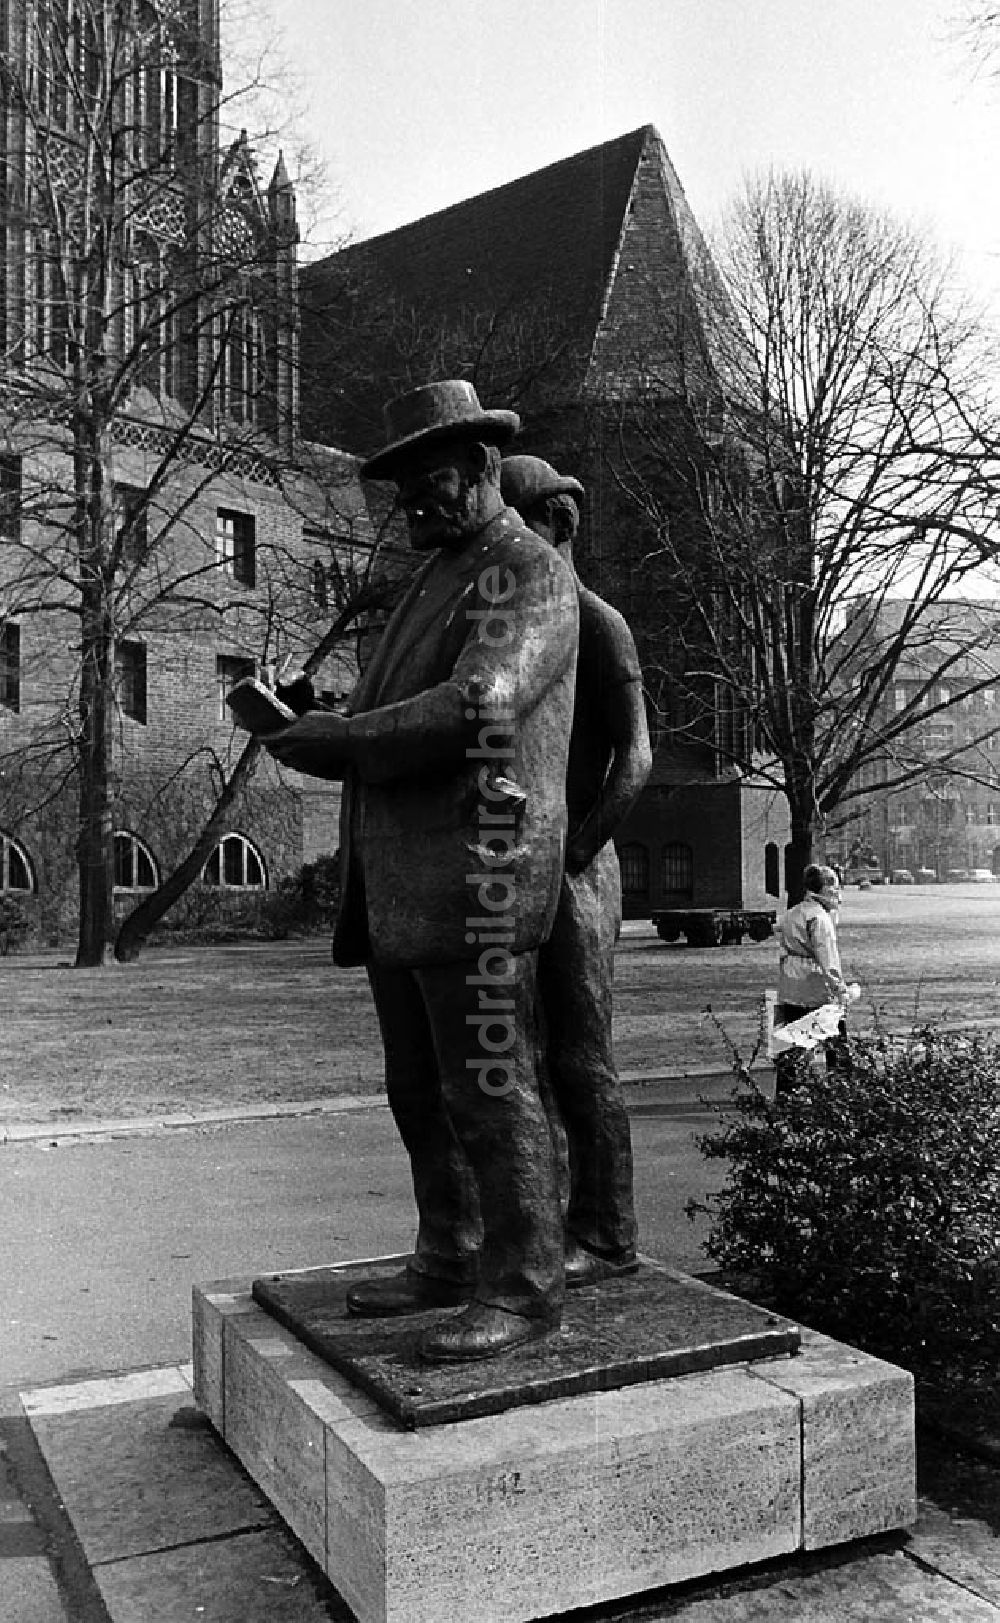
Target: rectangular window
pixel 989 698
pixel 230 669
pixel 10 665
pixel 678 868
pixel 991 814
pixel 320 584
pixel 235 545
pixel 899 698
pixel 10 496
pixel 131 526
pixel 130 673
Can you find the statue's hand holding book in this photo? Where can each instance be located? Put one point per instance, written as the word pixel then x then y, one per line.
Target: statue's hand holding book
pixel 264 710
pixel 258 709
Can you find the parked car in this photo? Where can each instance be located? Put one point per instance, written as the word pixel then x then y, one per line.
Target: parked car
pixel 901 876
pixel 925 876
pixel 982 876
pixel 958 876
pixel 863 875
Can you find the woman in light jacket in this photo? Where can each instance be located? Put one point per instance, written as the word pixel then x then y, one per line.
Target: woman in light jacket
pixel 809 972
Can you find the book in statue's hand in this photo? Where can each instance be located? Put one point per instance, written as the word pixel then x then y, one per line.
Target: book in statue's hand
pixel 258 709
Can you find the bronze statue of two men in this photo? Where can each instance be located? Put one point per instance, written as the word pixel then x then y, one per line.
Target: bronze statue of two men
pixel 493 742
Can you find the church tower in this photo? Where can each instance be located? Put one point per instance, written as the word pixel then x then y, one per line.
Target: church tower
pixel 126 237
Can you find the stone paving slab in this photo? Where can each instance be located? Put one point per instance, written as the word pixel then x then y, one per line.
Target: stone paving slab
pixel 253 1578
pixel 877 1587
pixel 28 1592
pixel 967 1549
pixel 105 1391
pixel 946 1571
pixel 159 1482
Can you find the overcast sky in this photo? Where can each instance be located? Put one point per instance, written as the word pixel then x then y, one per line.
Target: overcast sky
pixel 420 103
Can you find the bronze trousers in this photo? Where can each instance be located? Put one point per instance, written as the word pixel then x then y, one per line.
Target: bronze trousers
pixel 480 1150
pixel 575 973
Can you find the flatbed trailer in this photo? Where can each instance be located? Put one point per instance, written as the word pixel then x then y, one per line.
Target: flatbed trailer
pixel 713 926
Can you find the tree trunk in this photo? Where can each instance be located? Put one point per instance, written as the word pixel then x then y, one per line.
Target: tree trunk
pixel 134 933
pixel 135 930
pixel 798 854
pixel 95 835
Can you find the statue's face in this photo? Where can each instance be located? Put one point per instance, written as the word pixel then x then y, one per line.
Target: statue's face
pixel 439 489
pixel 538 518
pixel 551 526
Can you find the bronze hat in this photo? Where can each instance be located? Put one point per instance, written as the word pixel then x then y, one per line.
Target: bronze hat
pixel 437 411
pixel 527 480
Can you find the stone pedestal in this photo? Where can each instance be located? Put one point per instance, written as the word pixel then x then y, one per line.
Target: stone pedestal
pixel 560 1503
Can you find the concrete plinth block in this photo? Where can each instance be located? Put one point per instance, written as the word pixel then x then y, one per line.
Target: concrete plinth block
pixel 565 1504
pixel 559 1504
pixel 858 1449
pixel 209 1310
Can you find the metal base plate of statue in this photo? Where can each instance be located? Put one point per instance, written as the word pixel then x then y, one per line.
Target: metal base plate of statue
pixel 567 1499
pixel 640 1327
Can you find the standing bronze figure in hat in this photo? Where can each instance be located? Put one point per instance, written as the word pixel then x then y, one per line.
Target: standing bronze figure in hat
pixel 454 759
pixel 609 761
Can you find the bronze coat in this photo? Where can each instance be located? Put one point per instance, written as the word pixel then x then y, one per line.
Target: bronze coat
pixel 465 708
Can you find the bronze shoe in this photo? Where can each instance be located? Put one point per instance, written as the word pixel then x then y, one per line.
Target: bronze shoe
pixel 482 1331
pixel 405 1292
pixel 585 1267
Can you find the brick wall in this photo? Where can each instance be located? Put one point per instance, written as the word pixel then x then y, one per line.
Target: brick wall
pixel 650 331
pixel 185 612
pixel 724 824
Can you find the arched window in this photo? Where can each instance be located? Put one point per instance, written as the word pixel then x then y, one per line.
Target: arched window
pixel 678 870
pixel 772 869
pixel 135 867
pixel 634 859
pixel 16 871
pixel 241 369
pixel 235 864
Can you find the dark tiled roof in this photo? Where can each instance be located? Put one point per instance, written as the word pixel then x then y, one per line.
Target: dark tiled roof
pixel 550 237
pixel 555 229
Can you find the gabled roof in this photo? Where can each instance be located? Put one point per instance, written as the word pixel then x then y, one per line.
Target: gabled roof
pixel 552 239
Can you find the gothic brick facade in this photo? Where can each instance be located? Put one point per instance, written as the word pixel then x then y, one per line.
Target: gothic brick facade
pixel 232 535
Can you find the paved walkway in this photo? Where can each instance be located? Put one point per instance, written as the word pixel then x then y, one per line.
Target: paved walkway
pixel 119 1505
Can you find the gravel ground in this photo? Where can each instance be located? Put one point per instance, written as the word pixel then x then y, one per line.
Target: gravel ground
pixel 219 1027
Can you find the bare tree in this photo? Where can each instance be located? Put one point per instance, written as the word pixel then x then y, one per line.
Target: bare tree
pixel 360 597
pixel 148 311
pixel 976 26
pixel 828 450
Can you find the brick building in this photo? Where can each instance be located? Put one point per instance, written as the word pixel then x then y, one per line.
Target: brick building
pixel 572 294
pixel 226 538
pixel 943 820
